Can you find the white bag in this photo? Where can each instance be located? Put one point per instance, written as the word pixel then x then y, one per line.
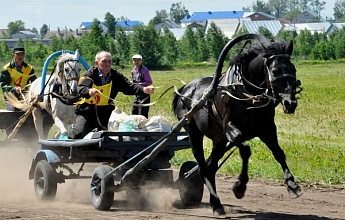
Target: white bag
pixel 158 124
pixel 118 116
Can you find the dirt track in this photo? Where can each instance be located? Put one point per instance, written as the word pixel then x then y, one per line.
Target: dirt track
pixel 262 200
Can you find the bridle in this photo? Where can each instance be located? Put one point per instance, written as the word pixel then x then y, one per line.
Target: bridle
pixel 72 75
pixel 239 91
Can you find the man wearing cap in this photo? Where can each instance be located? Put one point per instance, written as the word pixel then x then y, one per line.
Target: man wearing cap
pixel 16 75
pixel 140 76
pixel 98 89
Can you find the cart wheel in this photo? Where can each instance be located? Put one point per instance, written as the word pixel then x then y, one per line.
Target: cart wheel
pixel 191 190
pixel 102 195
pixel 45 183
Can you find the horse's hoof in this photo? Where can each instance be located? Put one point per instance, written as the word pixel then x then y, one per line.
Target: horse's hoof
pixel 219 212
pixel 295 192
pixel 239 190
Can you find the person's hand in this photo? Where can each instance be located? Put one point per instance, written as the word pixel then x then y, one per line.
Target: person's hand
pixel 149 90
pixel 18 90
pixel 93 92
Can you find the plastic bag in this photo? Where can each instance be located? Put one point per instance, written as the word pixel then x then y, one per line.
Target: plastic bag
pixel 127 126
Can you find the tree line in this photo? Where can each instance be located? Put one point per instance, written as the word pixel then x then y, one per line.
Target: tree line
pixel 163 49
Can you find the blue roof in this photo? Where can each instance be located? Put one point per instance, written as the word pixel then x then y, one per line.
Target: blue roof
pixel 197 16
pixel 124 24
pixel 127 23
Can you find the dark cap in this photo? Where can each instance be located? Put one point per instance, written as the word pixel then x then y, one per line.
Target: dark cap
pixel 18 50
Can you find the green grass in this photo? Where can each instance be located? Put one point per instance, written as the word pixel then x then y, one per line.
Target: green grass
pixel 313 138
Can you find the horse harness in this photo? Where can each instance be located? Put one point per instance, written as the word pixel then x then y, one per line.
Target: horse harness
pixel 233 87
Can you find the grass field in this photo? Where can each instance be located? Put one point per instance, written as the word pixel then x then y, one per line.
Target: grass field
pixel 313 138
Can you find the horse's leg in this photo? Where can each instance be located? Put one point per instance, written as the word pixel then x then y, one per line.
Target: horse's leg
pixel 271 141
pixel 38 118
pixel 61 125
pixel 207 172
pixel 217 153
pixel 240 186
pixel 233 134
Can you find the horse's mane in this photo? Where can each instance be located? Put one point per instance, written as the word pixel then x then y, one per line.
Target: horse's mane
pixel 62 58
pixel 262 48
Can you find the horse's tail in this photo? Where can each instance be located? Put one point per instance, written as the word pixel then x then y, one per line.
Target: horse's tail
pixel 175 100
pixel 15 102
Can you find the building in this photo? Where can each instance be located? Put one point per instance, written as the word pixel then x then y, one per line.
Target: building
pixel 200 18
pixel 323 27
pixel 307 17
pixel 229 27
pixel 62 33
pixel 274 26
pixel 25 35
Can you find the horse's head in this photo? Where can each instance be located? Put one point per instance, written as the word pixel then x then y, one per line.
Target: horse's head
pixel 266 72
pixel 281 76
pixel 69 73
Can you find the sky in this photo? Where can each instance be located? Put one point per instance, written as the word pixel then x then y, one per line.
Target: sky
pixel 69 14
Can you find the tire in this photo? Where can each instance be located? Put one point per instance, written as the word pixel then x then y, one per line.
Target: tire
pixel 102 195
pixel 45 183
pixel 191 190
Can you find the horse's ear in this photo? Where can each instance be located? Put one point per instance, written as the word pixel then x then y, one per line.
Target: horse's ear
pixel 289 49
pixel 77 54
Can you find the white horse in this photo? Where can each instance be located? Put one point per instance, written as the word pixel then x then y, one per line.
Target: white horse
pixel 60 93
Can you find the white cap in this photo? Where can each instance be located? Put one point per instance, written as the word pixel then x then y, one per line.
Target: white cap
pixel 137 56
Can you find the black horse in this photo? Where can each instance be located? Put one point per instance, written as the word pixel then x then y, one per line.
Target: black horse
pixel 242 107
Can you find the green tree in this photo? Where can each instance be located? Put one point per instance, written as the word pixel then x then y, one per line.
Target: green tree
pixel 56 44
pixel 279 7
pixel 317 6
pixel 170 47
pixel 304 5
pixel 39 53
pixel 322 51
pixel 123 46
pixel 70 43
pixel 339 9
pixel 291 14
pixel 110 23
pixel 20 43
pixel 43 31
pixel 178 12
pixel 112 49
pixel 293 5
pixel 246 8
pixel 287 35
pixel 96 40
pixel 261 6
pixel 29 50
pixel 265 32
pixel 34 30
pixel 188 45
pixel 146 41
pixel 216 41
pixel 5 53
pixel 15 26
pixel 203 53
pixel 160 17
pixel 337 41
pixel 304 44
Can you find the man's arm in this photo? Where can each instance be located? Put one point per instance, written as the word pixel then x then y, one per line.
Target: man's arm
pixel 5 81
